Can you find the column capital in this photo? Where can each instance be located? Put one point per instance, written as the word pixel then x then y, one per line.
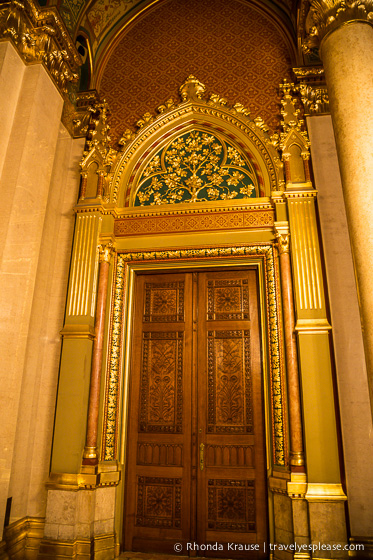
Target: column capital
pixel 105 252
pixel 283 236
pixel 325 16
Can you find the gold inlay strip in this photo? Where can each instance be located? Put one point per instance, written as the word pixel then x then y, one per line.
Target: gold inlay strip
pixel 83 262
pixel 305 254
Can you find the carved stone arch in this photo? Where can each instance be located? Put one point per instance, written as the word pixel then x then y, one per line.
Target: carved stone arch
pixel 233 123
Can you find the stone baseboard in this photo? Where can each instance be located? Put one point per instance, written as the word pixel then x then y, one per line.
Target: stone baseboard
pixel 22 539
pixel 100 547
pixel 367 543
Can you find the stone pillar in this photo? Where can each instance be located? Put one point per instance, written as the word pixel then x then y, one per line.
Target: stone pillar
pixel 353 391
pixel 345 36
pixel 32 109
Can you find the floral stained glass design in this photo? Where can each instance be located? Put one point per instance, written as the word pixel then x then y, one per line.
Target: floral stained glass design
pixel 196 167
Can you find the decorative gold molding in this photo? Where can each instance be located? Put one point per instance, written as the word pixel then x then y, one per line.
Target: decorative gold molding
pixel 78 331
pixel 297 486
pixel 325 16
pixel 151 224
pixel 81 481
pixel 40 35
pixel 325 493
pixel 123 260
pixel 312 326
pixel 23 537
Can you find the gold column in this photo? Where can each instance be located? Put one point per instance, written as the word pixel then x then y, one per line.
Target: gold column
pixel 296 437
pixel 343 31
pixel 90 456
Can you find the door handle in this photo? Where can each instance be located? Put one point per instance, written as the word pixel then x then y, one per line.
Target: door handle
pixel 201 456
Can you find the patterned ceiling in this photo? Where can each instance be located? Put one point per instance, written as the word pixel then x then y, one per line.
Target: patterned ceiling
pixel 102 19
pixel 233 48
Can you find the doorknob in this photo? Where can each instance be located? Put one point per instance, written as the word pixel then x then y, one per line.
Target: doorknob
pixel 201 456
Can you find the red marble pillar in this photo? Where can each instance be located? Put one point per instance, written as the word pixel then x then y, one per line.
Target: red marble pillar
pixel 90 455
pixel 83 185
pixel 295 416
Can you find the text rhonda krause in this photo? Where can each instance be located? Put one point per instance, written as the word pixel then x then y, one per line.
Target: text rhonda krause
pixel 219 546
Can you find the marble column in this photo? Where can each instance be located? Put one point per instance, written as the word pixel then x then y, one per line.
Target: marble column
pixel 90 456
pixel 345 33
pixel 296 436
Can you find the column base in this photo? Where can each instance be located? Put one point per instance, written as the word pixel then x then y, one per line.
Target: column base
pixel 79 524
pixel 99 547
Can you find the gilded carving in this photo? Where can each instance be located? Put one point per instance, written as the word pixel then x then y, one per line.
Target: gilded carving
pixel 40 36
pixel 191 89
pixel 273 326
pixel 196 167
pixel 283 238
pixel 293 140
pixel 326 15
pixel 98 153
pixel 105 252
pixel 183 222
pixel 192 93
pixel 315 99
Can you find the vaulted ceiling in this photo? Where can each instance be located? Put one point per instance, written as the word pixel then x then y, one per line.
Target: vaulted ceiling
pixel 140 51
pixel 102 20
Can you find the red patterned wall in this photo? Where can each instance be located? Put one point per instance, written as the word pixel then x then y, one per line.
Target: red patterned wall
pixel 236 51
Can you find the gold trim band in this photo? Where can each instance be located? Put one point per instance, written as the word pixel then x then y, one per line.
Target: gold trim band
pixel 325 493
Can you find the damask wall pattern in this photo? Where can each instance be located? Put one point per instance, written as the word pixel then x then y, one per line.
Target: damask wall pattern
pixel 235 50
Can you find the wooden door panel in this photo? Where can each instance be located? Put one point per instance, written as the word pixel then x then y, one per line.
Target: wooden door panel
pixel 159 450
pixel 230 416
pixel 196 457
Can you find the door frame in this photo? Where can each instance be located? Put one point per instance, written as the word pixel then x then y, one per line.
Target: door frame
pixel 262 257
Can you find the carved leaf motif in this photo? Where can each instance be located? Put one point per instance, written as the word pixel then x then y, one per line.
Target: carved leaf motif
pixel 229 382
pixel 162 383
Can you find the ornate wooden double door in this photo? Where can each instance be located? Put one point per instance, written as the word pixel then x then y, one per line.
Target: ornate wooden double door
pixel 196 453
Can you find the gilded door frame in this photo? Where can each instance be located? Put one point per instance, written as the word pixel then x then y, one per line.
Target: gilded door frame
pixel 261 256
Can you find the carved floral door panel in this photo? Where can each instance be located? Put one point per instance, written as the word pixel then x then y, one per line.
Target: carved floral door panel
pixel 231 484
pixel 196 459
